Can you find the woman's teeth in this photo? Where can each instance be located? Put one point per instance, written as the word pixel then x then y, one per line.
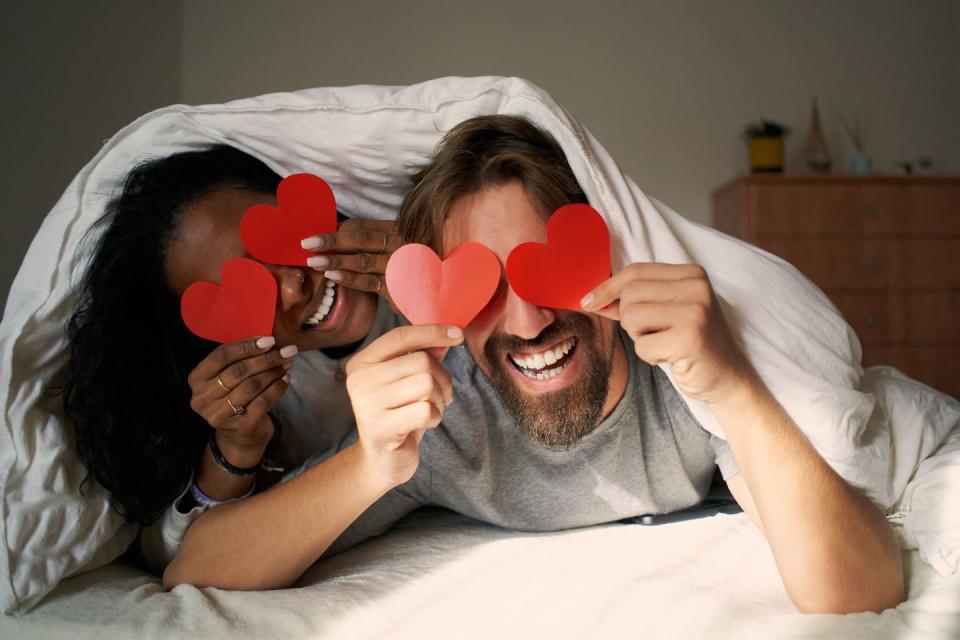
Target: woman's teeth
pixel 546 364
pixel 329 295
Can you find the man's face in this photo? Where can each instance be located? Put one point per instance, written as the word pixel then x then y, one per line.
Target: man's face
pixel 551 367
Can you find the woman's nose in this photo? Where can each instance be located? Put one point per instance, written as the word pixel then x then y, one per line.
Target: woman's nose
pixel 293 287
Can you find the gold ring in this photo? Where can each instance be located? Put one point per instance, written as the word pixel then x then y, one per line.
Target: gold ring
pixel 225 387
pixel 385 236
pixel 237 411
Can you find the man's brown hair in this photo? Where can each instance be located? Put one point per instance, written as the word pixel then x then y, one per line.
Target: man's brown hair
pixel 486 151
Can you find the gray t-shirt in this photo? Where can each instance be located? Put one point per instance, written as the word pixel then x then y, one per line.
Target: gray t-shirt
pixel 648 456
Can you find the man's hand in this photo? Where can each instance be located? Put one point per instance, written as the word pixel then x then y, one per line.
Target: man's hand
pixel 834 549
pixel 399 390
pixel 673 316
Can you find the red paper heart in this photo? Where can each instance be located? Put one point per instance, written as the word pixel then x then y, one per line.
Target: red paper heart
pixel 242 306
pixel 306 207
pixel 428 291
pixel 575 259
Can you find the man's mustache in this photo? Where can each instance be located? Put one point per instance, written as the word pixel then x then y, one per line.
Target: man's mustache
pixel 577 323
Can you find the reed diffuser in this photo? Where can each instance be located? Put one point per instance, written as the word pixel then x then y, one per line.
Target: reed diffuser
pixel 856 129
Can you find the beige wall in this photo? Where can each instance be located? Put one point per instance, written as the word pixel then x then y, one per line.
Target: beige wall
pixel 73 74
pixel 665 86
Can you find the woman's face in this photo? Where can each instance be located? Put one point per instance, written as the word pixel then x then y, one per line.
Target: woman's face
pixel 208 235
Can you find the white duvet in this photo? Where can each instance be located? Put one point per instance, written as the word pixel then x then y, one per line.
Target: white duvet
pixel 874 428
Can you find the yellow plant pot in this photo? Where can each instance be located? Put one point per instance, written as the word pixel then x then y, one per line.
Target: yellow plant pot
pixel 766 154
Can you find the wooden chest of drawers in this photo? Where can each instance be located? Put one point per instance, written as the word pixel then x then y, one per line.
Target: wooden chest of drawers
pixel 886 250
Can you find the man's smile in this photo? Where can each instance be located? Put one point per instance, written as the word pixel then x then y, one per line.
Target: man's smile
pixel 546 363
pixel 539 370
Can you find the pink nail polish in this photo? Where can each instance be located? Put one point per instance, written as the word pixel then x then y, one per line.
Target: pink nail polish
pixel 318 262
pixel 311 243
pixel 288 351
pixel 266 342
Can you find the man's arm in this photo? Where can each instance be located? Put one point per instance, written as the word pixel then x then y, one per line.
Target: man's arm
pixel 268 540
pixel 834 549
pixel 397 391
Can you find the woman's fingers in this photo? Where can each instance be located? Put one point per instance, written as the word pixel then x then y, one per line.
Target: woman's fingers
pixel 269 396
pixel 237 373
pixel 249 424
pixel 253 386
pixel 355 262
pixel 371 282
pixel 356 255
pixel 357 235
pixel 226 354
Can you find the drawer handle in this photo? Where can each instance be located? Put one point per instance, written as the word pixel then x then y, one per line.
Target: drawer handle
pixel 871 265
pixel 869 320
pixel 870 212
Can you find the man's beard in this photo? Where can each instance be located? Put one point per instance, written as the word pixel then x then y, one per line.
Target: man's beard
pixel 558 419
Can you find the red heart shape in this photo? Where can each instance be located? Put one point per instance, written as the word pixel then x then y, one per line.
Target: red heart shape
pixel 306 207
pixel 574 261
pixel 242 306
pixel 454 291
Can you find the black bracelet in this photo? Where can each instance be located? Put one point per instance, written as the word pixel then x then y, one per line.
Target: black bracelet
pixel 224 464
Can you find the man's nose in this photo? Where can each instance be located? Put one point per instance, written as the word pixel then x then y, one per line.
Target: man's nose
pixel 292 287
pixel 523 319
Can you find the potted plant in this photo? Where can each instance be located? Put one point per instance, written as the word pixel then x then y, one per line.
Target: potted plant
pixel 765 142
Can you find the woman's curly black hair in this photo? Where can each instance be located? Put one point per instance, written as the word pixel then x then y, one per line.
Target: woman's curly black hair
pixel 126 389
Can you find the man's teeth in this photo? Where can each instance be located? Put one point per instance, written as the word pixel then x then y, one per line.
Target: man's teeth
pixel 540 365
pixel 325 305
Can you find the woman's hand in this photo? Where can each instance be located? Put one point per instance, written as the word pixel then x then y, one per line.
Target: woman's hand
pixel 233 389
pixel 361 249
pixel 399 390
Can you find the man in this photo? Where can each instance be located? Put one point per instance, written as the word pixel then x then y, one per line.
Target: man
pixel 554 419
pixel 606 436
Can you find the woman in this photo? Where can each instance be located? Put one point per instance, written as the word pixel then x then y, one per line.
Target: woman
pixel 162 416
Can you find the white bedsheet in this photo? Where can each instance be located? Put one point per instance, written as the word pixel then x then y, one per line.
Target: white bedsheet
pixel 440 575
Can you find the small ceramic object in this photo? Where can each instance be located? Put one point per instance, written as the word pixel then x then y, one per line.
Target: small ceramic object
pixel 861 164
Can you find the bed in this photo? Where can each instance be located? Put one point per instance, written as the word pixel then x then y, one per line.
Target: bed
pixel 437 573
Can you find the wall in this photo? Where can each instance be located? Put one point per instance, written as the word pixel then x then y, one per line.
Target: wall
pixel 73 74
pixel 665 86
